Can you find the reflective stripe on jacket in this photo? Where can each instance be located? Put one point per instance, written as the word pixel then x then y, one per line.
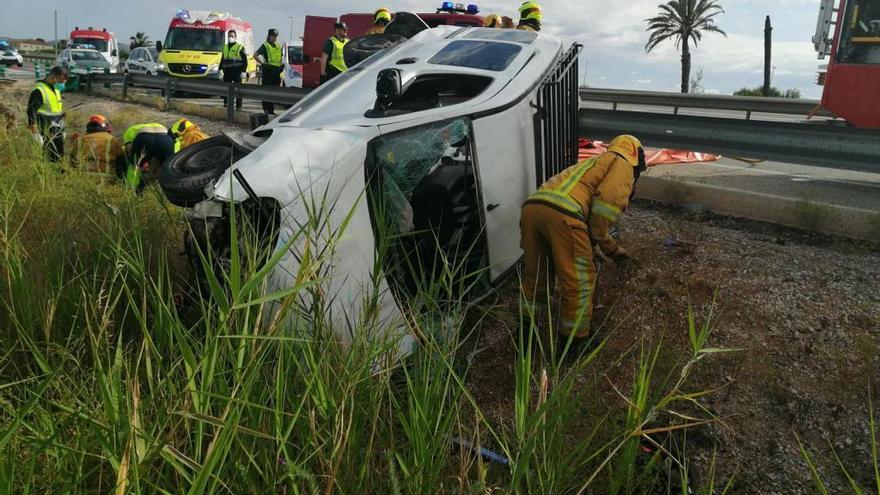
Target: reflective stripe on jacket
pixel 337 60
pixel 594 191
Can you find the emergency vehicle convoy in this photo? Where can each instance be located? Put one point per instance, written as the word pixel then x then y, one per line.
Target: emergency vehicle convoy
pixel 852 77
pixel 194 43
pixel 101 40
pixel 318 29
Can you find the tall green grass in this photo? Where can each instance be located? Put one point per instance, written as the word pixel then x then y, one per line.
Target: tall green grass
pixel 109 385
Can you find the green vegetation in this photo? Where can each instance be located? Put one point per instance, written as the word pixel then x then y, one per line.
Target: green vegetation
pixel 117 376
pixel 774 92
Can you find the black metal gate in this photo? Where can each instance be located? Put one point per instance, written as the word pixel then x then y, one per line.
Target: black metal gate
pixel 556 119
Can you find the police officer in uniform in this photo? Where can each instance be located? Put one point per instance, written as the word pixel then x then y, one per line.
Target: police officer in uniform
pixel 332 59
pixel 269 57
pixel 45 113
pixel 233 63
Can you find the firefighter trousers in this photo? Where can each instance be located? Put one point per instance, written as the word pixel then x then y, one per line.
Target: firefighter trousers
pixel 557 250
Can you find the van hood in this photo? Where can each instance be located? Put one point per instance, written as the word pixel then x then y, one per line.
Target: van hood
pixel 294 160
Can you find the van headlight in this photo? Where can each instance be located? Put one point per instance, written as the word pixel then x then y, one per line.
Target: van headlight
pixel 213 68
pixel 160 67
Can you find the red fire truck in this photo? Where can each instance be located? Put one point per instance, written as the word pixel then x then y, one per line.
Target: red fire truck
pixel 317 29
pixel 852 77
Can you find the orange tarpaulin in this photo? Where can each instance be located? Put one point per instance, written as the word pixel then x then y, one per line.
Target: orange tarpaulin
pixel 587 148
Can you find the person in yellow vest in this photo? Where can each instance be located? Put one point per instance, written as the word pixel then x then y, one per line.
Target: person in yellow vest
pixel 381 18
pixel 270 60
pixel 147 146
pixel 234 62
pixel 97 151
pixel 562 220
pixel 332 59
pixel 530 17
pixel 185 134
pixel 45 113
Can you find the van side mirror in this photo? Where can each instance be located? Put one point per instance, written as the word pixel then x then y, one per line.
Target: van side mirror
pixel 389 88
pixel 114 53
pixel 158 46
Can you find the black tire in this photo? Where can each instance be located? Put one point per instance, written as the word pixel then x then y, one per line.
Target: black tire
pixel 185 175
pixel 406 24
pixel 361 48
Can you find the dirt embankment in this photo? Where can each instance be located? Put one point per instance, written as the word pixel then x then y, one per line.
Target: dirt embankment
pixel 805 311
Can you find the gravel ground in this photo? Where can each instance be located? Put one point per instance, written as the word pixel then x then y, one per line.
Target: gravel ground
pixel 805 310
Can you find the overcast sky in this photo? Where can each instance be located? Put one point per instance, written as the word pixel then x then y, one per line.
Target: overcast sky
pixel 612 32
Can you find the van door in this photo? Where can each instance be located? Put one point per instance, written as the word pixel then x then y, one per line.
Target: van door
pixel 506 151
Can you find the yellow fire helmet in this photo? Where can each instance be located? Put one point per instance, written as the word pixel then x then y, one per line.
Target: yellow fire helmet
pixel 530 11
pixel 629 148
pixel 382 16
pixel 492 21
pixel 180 127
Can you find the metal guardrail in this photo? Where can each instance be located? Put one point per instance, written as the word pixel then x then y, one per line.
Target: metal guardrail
pixel 747 104
pixel 822 144
pixel 172 85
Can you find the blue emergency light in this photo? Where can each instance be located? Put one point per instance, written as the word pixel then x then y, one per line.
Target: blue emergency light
pixel 459 7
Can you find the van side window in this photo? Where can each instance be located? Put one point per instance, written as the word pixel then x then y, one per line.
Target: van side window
pixel 435 91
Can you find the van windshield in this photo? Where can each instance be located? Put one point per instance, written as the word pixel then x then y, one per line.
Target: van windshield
pixel 86 56
pixel 205 40
pixel 97 43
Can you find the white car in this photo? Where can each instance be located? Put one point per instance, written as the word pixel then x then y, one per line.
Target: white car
pixel 9 56
pixel 439 139
pixel 144 60
pixel 84 61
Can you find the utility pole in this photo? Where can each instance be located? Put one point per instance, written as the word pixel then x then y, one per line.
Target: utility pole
pixel 55 39
pixel 768 41
pixel 290 39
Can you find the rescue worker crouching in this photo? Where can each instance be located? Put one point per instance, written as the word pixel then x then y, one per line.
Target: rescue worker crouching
pixel 381 18
pixel 147 146
pixel 530 17
pixel 186 134
pixel 332 59
pixel 45 113
pixel 98 150
pixel 558 223
pixel 234 63
pixel 269 57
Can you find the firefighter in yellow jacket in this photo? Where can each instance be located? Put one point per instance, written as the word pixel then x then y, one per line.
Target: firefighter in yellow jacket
pixel 563 219
pixel 98 151
pixel 381 18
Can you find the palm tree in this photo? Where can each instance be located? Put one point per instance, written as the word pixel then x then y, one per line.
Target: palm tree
pixel 684 21
pixel 138 40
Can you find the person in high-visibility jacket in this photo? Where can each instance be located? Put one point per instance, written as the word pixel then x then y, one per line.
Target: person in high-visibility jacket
pixel 561 221
pixel 185 134
pixel 234 63
pixel 381 18
pixel 45 113
pixel 332 58
pixel 147 146
pixel 98 150
pixel 270 58
pixel 530 17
